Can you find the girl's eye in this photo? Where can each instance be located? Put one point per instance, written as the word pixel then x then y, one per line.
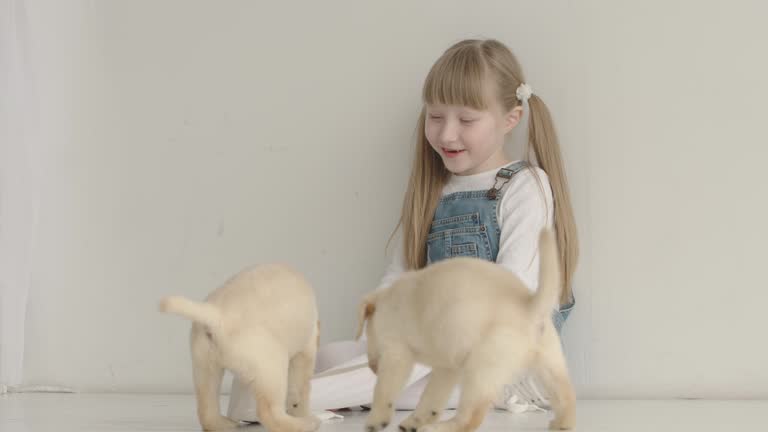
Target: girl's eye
pixel 468 120
pixel 435 117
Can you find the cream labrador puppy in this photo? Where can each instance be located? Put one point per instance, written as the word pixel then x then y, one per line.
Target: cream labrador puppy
pixel 477 325
pixel 261 325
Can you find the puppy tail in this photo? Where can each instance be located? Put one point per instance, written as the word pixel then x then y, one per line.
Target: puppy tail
pixel 548 294
pixel 200 312
pixel 365 312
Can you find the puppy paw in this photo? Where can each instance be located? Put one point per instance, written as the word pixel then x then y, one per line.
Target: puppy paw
pixel 413 422
pixel 436 427
pixel 289 423
pixel 218 423
pixel 297 410
pixel 311 423
pixel 562 423
pixel 377 421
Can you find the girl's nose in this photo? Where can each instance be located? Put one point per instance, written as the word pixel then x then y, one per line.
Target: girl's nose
pixel 449 132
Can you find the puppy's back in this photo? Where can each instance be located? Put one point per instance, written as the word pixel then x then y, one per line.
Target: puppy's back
pixel 465 281
pixel 273 296
pixel 266 284
pixel 458 300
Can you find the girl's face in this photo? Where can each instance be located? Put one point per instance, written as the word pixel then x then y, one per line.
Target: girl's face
pixel 469 141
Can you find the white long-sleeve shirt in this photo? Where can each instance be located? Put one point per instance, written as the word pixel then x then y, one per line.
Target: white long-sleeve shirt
pixel 523 211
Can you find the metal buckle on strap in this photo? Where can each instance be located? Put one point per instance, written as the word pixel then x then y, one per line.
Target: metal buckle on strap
pixel 503 176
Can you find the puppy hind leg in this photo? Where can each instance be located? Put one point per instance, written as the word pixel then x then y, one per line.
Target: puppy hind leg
pixel 432 402
pixel 265 368
pixel 300 370
pixel 395 366
pixel 208 375
pixel 551 367
pixel 483 377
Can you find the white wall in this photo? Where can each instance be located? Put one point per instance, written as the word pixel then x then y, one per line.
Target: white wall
pixel 206 136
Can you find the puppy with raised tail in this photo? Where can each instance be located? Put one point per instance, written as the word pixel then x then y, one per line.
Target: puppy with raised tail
pixel 477 325
pixel 261 325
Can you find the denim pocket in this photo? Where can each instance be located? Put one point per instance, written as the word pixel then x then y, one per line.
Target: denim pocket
pixel 463 241
pixel 464 249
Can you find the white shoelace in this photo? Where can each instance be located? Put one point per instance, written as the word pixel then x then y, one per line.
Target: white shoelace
pixel 523 396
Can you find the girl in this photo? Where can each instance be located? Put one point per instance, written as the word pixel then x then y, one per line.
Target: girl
pixel 466 197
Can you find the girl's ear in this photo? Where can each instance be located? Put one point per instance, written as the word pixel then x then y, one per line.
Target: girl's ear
pixel 512 118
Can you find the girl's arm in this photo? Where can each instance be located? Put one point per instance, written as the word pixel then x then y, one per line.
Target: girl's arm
pixel 524 209
pixel 397 266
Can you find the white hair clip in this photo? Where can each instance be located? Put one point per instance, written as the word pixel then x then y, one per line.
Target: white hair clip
pixel 524 92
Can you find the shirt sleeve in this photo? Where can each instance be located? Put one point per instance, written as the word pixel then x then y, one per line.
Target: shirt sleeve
pixel 396 267
pixel 525 208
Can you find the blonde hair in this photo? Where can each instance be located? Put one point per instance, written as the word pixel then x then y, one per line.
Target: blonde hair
pixel 459 77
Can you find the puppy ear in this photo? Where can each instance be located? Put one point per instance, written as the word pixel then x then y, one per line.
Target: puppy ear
pixel 365 312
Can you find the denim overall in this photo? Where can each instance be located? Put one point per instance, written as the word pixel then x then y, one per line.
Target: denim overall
pixel 466 224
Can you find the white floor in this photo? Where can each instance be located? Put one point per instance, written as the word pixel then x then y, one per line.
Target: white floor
pixel 115 412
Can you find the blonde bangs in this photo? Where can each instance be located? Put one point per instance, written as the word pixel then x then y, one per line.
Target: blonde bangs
pixel 459 77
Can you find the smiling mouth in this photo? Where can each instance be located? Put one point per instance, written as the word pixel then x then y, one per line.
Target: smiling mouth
pixel 452 153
